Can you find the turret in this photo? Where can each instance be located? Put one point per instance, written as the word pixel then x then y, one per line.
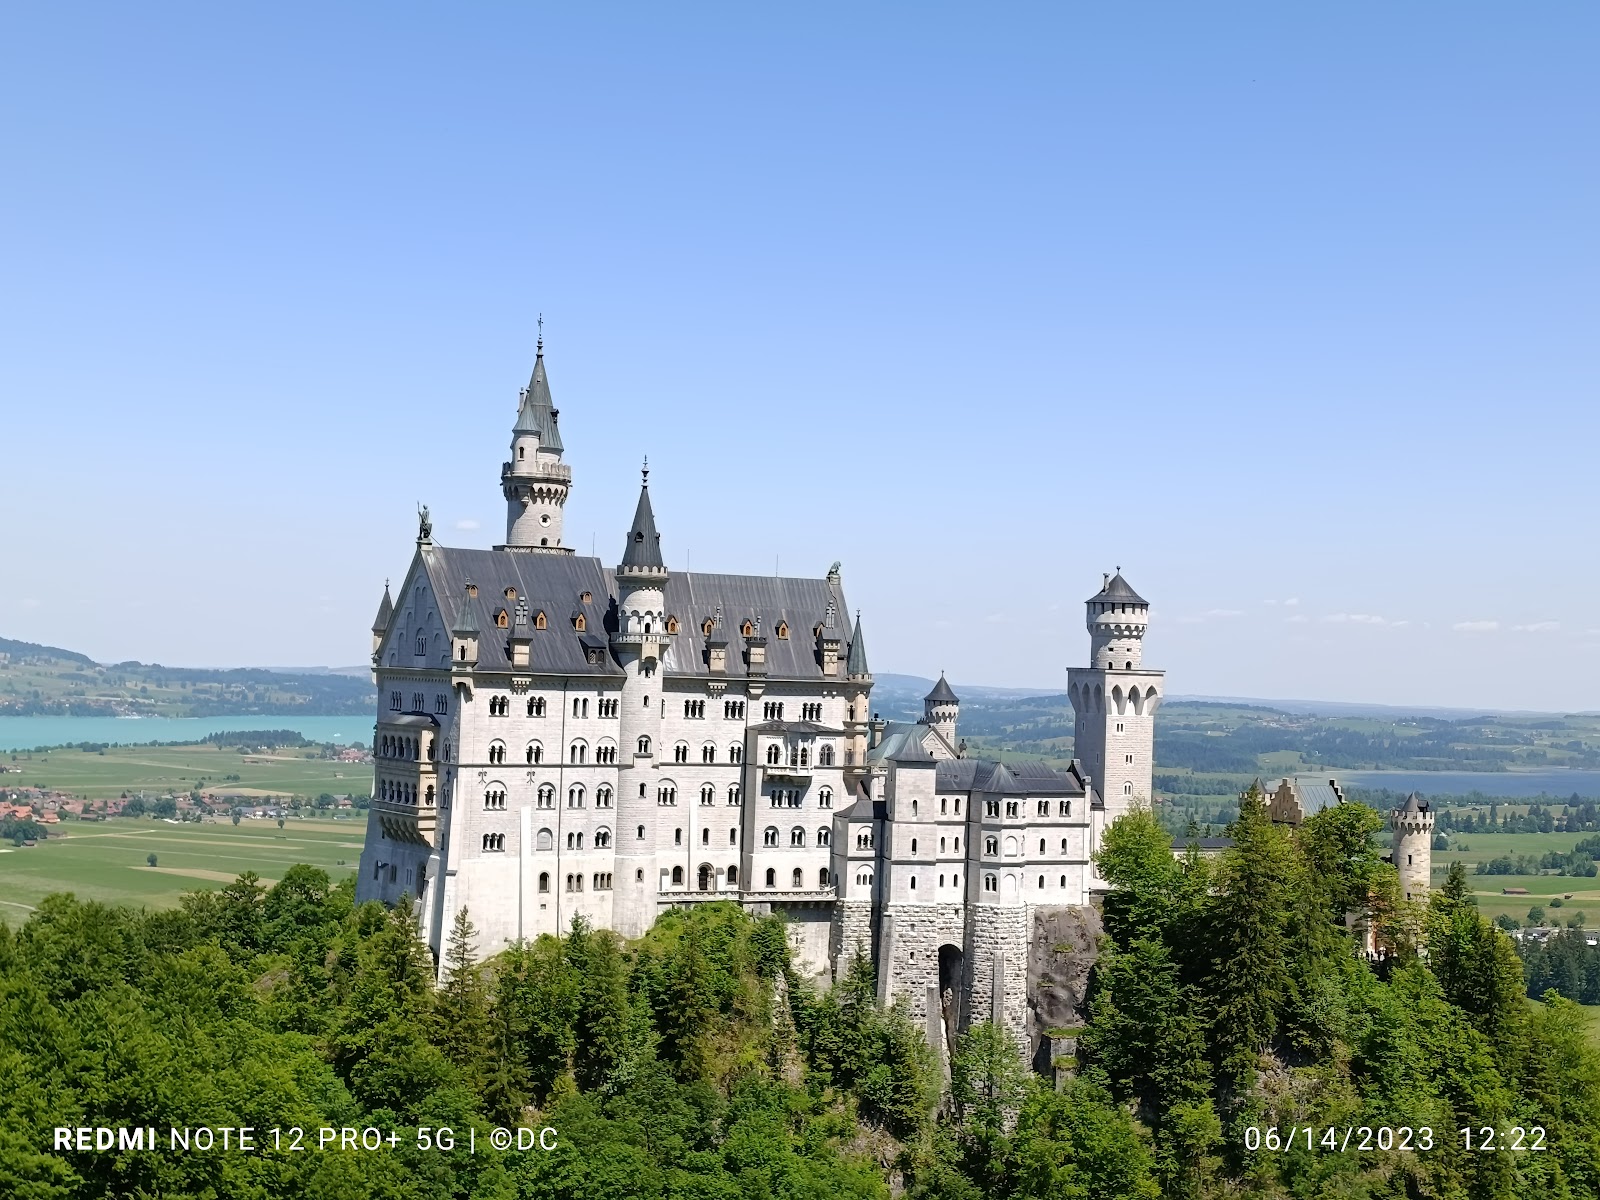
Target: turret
pixel 464 638
pixel 1117 617
pixel 380 626
pixel 1412 827
pixel 535 481
pixel 638 645
pixel 857 689
pixel 940 709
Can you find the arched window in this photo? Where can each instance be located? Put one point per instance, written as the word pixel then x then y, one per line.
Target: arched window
pixel 733 836
pixel 913 883
pixel 704 877
pixel 769 836
pixel 797 879
pixel 772 877
pixel 580 752
pixel 500 619
pixel 641 833
pixel 602 838
pixel 430 795
pixel 733 875
pixel 544 881
pixel 824 836
pixel 991 846
pixel 825 798
pixel 864 878
pixel 644 745
pixel 1041 881
pixel 540 621
pixel 708 753
pixel 705 835
pixel 1041 851
pixel 536 706
pixel 736 753
pixel 547 795
pixel 1127 789
pixel 672 626
pixel 708 793
pixel 991 884
pixel 602 796
pixel 823 878
pixel 547 840
pixel 680 752
pixel 1063 881
pixel 825 756
pixel 913 808
pixel 677 876
pixel 774 754
pixel 497 751
pixel 575 796
pixel 797 836
pixel 735 795
pixel 747 630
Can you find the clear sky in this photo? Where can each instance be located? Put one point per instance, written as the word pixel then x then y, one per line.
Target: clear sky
pixel 1289 310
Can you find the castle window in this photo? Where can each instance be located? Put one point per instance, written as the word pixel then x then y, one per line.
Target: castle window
pixel 708 794
pixel 941 845
pixel 774 754
pixel 1044 811
pixel 958 806
pixel 396 700
pixel 991 884
pixel 941 881
pixel 1012 808
pixel 825 798
pixel 708 753
pixel 825 756
pixel 733 710
pixel 1064 807
pixel 1127 758
pixel 539 621
pixel 510 593
pixel 783 630
pixel 811 712
pixel 602 881
pixel 864 878
pixel 707 626
pixel 536 706
pixel 747 629
pixel 733 837
pixel 1063 845
pixel 798 879
pixel 1127 789
pixel 735 795
pixel 1063 881
pixel 823 879
pixel 677 837
pixel 495 798
pixel 602 796
pixel 422 643
pixel 705 837
pixel 1041 882
pixel 769 836
pixel 824 836
pixel 641 838
pixel 913 808
pixel 575 796
pixel 580 622
pixel 547 795
pixel 586 598
pixel 544 881
pixel 1041 851
pixel 493 842
pixel 736 753
pixel 667 795
pixel 913 845
pixel 864 841
pixel 680 752
pixel 733 875
pixel 644 745
pixel 772 877
pixel 913 883
pixel 497 752
pixel 672 624
pixel 608 708
pixel 472 590
pixel 944 805
pixel 580 752
pixel 546 840
pixel 991 808
pixel 1128 667
pixel 1119 726
pixel 797 836
pixel 955 880
pixel 500 618
pixel 440 704
pixel 991 846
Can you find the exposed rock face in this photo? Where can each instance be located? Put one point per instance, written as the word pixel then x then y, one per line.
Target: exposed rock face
pixel 1061 953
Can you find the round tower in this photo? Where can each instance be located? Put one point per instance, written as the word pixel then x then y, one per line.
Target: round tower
pixel 638 645
pixel 1412 827
pixel 857 690
pixel 1117 618
pixel 535 482
pixel 940 710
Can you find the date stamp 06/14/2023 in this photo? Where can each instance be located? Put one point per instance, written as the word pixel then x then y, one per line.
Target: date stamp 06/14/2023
pixel 1368 1138
pixel 246 1139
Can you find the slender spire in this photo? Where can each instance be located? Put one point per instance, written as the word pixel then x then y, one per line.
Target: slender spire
pixel 537 413
pixel 385 611
pixel 856 663
pixel 644 543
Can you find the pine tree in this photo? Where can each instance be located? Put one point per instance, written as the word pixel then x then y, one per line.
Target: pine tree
pixel 461 1007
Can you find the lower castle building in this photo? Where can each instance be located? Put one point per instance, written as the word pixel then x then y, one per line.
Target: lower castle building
pixel 558 737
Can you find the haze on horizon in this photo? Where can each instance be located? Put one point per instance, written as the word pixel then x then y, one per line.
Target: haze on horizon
pixel 1296 327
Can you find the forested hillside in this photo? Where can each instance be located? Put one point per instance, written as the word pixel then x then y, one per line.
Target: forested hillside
pixel 1229 1007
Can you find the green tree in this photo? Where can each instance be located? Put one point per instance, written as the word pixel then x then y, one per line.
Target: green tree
pixel 461 1007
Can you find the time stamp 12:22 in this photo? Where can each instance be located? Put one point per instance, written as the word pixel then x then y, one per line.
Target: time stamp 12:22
pixel 1484 1138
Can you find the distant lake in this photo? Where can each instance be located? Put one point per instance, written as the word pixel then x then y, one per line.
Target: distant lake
pixel 24 733
pixel 1490 783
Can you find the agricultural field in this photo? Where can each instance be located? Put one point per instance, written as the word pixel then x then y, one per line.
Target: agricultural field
pixel 1481 847
pixel 108 860
pixel 162 770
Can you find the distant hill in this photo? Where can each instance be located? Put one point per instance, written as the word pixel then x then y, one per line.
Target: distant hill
pixel 40 680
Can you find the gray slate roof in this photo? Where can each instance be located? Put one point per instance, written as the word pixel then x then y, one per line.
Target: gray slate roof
pixel 1116 590
pixel 644 543
pixel 902 742
pixel 1414 803
pixel 549 583
pixel 941 693
pixel 766 600
pixel 806 727
pixel 537 414
pixel 1012 779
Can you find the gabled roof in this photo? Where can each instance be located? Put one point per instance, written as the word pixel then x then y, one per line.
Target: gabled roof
pixel 537 414
pixel 856 662
pixel 941 693
pixel 1116 589
pixel 644 543
pixel 1012 779
pixel 765 600
pixel 380 624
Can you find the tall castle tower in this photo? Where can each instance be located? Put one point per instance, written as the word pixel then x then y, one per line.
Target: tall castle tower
pixel 1412 827
pixel 1115 698
pixel 940 711
pixel 638 645
pixel 535 482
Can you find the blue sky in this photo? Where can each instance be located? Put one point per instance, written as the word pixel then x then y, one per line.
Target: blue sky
pixel 1290 312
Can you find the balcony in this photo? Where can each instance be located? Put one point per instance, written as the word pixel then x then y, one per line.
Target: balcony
pixel 786 771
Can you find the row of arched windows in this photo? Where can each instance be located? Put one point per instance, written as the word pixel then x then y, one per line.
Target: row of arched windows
pixel 797 878
pixel 797 836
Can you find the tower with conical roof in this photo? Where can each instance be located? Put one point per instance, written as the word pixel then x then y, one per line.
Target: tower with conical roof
pixel 535 481
pixel 940 710
pixel 1412 827
pixel 858 715
pixel 1115 699
pixel 380 626
pixel 639 644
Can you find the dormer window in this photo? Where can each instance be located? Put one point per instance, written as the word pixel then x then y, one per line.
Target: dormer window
pixel 747 629
pixel 707 626
pixel 511 593
pixel 783 630
pixel 472 590
pixel 586 598
pixel 672 624
pixel 579 622
pixel 538 619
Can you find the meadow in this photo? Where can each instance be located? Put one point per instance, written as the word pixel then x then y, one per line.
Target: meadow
pixel 1480 847
pixel 107 860
pixel 162 770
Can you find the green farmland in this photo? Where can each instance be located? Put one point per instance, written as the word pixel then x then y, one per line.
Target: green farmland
pixel 1481 847
pixel 160 770
pixel 107 860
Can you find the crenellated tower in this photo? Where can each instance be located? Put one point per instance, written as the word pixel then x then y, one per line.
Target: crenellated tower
pixel 1412 827
pixel 638 645
pixel 535 482
pixel 1115 699
pixel 941 708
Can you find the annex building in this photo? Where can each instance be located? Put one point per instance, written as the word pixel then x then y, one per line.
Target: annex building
pixel 559 736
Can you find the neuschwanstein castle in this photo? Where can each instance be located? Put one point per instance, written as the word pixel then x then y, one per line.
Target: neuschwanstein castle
pixel 557 737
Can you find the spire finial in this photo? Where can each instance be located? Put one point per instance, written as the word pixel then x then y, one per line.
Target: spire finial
pixel 645 472
pixel 540 347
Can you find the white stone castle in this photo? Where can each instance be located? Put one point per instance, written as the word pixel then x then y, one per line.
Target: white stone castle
pixel 558 738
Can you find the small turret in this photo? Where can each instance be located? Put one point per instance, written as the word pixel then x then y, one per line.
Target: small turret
pixel 941 709
pixel 464 636
pixel 1117 617
pixel 521 640
pixel 535 481
pixel 380 626
pixel 1412 827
